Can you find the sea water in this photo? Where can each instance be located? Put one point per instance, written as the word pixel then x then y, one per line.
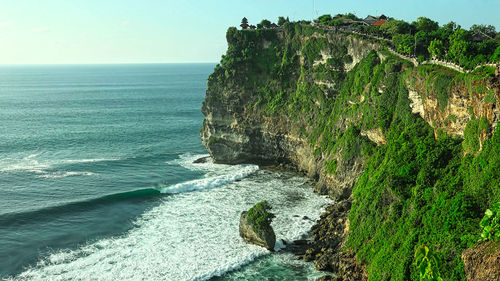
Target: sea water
pixel 97 181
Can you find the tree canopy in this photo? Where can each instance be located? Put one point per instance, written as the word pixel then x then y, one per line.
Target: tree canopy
pixel 425 24
pixel 264 24
pixel 423 38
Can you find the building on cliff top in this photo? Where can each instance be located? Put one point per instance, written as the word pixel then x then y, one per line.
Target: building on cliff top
pixel 244 23
pixel 370 20
pixel 379 22
pixel 478 36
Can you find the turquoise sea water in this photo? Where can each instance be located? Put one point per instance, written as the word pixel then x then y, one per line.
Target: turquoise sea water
pixel 97 181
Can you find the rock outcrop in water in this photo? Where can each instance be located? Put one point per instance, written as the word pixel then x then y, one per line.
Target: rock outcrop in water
pixel 350 116
pixel 255 226
pixel 264 238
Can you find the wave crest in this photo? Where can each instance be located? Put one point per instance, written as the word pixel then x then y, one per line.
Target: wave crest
pixel 211 182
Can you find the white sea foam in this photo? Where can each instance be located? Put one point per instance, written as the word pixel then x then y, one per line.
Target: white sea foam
pixel 208 167
pixel 91 160
pixel 27 163
pixel 47 168
pixel 56 175
pixel 240 172
pixel 191 235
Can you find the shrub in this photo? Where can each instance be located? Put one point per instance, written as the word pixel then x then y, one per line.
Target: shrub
pixel 331 166
pixel 312 49
pixel 427 264
pixel 441 86
pixel 490 97
pixel 473 131
pixel 436 48
pixel 496 55
pixel 259 215
pixel 491 224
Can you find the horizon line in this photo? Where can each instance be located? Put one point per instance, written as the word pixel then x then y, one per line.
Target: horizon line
pixel 102 63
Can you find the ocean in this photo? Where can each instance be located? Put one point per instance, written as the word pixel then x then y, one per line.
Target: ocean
pixel 97 181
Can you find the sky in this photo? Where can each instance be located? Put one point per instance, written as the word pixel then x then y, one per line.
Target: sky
pixel 181 31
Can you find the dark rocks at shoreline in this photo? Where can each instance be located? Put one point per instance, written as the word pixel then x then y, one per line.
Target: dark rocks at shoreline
pixel 329 278
pixel 327 251
pixel 202 160
pixel 297 247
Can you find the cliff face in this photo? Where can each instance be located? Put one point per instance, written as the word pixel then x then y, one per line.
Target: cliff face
pixel 237 130
pixel 248 137
pixel 368 128
pixel 466 99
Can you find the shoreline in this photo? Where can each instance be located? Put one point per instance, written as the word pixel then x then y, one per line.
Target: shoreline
pixel 324 244
pixel 324 248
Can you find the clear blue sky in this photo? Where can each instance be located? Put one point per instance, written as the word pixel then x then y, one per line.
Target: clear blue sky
pixel 159 31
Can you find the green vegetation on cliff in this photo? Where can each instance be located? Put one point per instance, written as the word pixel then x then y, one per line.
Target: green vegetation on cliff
pixel 491 223
pixel 418 189
pixel 420 186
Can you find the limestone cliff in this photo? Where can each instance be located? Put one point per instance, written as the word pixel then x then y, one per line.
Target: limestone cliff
pixel 236 130
pixel 465 100
pixel 351 116
pixel 482 262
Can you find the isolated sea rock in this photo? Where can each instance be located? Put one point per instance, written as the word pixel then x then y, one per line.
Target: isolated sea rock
pixel 482 262
pixel 255 226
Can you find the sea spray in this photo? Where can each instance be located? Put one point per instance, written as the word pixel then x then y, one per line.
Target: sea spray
pixel 179 239
pixel 211 182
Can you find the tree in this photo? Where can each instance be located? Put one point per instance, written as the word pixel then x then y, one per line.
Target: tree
pixel 488 30
pixel 335 22
pixel 324 19
pixel 264 24
pixel 231 35
pixel 393 27
pixel 446 31
pixel 404 43
pixel 422 41
pixel 282 20
pixel 458 46
pixel 244 23
pixel 436 48
pixel 425 24
pixel 350 16
pixel 374 30
pixel 487 47
pixel 496 55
